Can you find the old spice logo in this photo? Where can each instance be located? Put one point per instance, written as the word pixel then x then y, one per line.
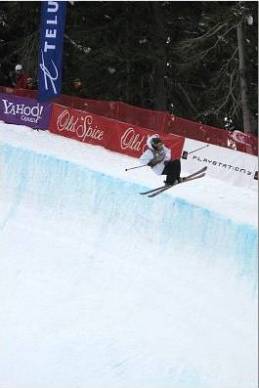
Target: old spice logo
pixel 82 126
pixel 132 140
pixel 26 112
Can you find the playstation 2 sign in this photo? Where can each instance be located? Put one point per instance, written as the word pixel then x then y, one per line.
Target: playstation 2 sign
pixel 53 15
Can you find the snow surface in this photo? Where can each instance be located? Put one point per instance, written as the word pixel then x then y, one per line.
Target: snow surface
pixel 103 288
pixel 231 201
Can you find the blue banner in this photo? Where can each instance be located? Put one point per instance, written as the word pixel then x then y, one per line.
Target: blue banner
pixel 53 16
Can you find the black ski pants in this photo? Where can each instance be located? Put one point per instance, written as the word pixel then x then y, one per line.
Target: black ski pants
pixel 172 171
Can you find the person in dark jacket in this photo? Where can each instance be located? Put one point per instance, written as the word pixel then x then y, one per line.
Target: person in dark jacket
pixel 31 84
pixel 77 88
pixel 19 77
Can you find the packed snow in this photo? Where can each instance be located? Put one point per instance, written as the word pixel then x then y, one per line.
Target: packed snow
pixel 103 288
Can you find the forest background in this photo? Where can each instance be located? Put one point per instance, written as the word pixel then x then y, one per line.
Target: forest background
pixel 197 60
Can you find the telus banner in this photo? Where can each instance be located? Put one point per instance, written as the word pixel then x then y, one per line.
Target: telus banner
pixel 25 111
pixel 53 15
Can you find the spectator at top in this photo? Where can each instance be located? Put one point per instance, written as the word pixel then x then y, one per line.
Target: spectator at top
pixel 77 88
pixel 228 124
pixel 31 84
pixel 19 78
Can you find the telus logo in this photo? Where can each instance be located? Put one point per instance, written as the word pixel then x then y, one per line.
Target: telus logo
pixel 50 44
pixel 53 16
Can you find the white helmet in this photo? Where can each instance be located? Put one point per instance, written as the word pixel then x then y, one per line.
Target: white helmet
pixel 18 67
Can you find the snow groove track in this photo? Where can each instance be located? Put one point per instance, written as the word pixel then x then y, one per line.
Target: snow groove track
pixel 109 289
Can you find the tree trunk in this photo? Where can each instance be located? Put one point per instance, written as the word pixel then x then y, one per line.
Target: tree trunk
pixel 243 83
pixel 160 86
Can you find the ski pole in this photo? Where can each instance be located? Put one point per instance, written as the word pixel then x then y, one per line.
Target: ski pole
pixel 198 149
pixel 132 168
pixel 185 153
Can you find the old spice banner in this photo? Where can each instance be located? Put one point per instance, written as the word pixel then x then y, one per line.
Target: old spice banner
pixel 111 134
pixel 24 111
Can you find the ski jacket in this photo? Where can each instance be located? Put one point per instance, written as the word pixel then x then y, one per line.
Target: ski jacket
pixel 21 81
pixel 161 156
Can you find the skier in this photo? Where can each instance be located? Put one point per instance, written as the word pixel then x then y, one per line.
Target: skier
pixel 158 157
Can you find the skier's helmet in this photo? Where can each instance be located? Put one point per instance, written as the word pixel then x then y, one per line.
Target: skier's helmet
pixel 155 141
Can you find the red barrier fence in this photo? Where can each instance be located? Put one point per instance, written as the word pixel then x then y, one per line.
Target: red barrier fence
pixel 161 122
pixel 158 121
pixel 237 140
pixel 112 134
pixel 103 108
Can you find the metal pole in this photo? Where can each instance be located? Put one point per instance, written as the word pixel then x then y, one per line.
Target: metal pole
pixel 198 149
pixel 132 168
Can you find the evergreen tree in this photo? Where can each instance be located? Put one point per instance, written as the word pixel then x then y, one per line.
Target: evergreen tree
pixel 166 55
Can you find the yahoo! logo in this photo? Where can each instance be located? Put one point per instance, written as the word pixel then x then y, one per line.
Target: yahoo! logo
pixel 26 112
pixel 82 126
pixel 132 140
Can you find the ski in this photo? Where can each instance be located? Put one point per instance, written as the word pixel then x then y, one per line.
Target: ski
pixel 203 169
pixel 152 190
pixel 164 186
pixel 167 187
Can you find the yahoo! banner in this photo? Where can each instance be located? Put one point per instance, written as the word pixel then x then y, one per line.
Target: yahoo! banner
pixel 53 15
pixel 24 111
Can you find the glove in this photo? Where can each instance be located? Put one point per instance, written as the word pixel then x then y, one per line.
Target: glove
pixel 152 163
